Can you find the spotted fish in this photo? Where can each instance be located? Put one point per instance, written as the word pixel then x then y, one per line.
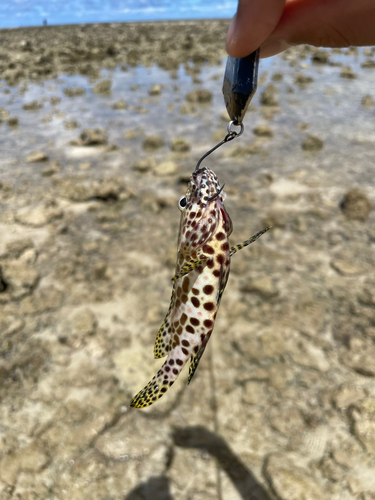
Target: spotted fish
pixel 203 263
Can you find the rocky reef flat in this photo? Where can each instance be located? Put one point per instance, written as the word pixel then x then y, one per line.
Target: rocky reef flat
pixel 100 128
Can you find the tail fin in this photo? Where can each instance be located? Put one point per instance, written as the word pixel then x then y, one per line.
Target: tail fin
pixel 159 384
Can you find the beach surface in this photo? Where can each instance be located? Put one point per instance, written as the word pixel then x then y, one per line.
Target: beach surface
pixel 100 129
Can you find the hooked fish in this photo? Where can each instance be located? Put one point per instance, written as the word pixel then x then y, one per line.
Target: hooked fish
pixel 203 264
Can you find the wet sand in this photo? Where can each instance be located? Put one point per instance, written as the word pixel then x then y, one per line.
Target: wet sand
pixel 100 128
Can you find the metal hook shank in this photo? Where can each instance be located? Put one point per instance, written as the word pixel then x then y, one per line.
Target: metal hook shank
pixel 229 137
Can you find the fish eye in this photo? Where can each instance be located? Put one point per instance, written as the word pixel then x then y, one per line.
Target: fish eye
pixel 182 203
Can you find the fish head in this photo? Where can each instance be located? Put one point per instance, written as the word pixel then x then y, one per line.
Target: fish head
pixel 202 209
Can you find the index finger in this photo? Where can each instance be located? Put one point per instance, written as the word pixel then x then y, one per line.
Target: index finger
pixel 253 23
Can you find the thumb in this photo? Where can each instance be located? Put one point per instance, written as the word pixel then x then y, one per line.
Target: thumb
pixel 253 23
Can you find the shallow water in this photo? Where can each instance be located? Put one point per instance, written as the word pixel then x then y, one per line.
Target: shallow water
pixel 329 106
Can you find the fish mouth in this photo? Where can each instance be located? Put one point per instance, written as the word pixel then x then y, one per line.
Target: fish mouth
pixel 206 185
pixel 216 194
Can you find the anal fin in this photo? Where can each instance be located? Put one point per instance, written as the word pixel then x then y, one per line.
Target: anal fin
pixel 161 347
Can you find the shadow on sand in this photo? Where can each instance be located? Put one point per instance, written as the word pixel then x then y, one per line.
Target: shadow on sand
pixel 198 437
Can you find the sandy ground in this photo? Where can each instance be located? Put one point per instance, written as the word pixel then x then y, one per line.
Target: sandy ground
pixel 100 129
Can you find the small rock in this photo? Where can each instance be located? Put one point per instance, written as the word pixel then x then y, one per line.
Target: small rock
pixel 20 278
pixel 153 142
pixel 367 296
pixel 109 189
pixel 130 134
pixel 111 147
pixel 108 216
pixel 44 299
pixel 363 417
pixel 26 46
pixel 54 100
pixel 101 267
pixel 347 395
pixel 330 469
pixel 83 323
pixel 361 356
pixel 307 354
pixel 320 57
pixel 286 419
pixel 71 124
pixel 188 108
pixel 166 168
pixel 263 287
pixel 36 156
pixel 121 104
pixel 263 131
pixel 155 90
pixel 346 268
pixel 11 325
pixel 78 189
pixel 356 205
pixel 347 72
pixel 369 63
pixel 312 143
pixel 180 145
pixel 13 121
pixel 9 469
pixel 238 151
pixel 277 77
pixel 145 165
pixel 38 216
pixel 33 458
pixel 254 393
pixel 103 87
pixel 4 114
pixel 367 101
pixel 53 169
pixel 268 97
pixel 200 96
pixel 302 80
pixel 32 106
pixel 73 92
pixel 16 248
pixel 93 137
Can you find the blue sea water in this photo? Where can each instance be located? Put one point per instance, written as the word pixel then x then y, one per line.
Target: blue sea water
pixel 16 13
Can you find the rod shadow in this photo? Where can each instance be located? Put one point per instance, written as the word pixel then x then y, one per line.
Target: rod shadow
pixel 155 488
pixel 242 478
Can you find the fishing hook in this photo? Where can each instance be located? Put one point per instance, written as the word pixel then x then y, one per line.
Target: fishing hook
pixel 216 194
pixel 232 134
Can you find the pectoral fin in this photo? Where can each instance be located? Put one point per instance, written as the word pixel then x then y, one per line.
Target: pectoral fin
pixel 188 267
pixel 236 248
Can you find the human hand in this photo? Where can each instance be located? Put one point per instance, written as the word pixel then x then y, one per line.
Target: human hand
pixel 275 25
